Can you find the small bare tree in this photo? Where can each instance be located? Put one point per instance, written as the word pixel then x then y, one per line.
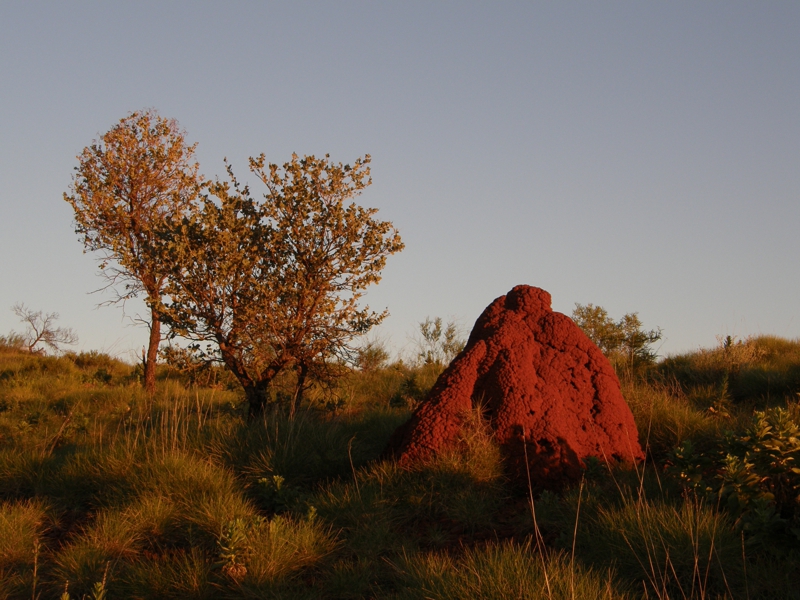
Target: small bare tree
pixel 41 329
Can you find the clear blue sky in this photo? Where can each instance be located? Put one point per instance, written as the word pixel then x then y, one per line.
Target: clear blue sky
pixel 643 156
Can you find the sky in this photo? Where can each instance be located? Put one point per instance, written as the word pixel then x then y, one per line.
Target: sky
pixel 640 156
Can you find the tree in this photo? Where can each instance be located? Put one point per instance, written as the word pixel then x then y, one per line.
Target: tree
pixel 41 329
pixel 636 342
pixel 598 326
pixel 624 339
pixel 372 356
pixel 274 286
pixel 439 344
pixel 139 176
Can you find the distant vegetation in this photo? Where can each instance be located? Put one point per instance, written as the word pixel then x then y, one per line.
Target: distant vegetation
pixel 108 492
pixel 624 342
pixel 40 334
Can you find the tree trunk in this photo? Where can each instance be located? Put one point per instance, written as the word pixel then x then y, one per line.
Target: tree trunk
pixel 298 390
pixel 152 356
pixel 255 391
pixel 256 395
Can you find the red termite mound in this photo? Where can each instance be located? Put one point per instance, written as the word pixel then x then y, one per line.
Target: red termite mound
pixel 551 397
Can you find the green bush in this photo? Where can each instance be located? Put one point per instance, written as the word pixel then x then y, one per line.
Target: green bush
pixel 754 475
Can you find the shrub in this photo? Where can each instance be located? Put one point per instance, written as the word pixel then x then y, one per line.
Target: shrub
pixel 415 385
pixel 438 344
pixel 755 475
pixel 624 342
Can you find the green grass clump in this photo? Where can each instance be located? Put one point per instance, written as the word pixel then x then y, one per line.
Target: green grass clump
pixel 384 511
pixel 22 526
pixel 271 553
pixel 502 571
pixel 675 551
pixel 174 574
pixel 458 490
pixel 279 445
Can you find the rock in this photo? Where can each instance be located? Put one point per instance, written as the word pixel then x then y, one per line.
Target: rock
pixel 548 393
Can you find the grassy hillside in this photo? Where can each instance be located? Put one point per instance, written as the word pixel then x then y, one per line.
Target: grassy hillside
pixel 106 493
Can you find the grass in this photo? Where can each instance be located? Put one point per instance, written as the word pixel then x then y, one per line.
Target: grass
pixel 106 491
pixel 667 419
pixel 685 550
pixel 761 370
pixel 22 527
pixel 502 571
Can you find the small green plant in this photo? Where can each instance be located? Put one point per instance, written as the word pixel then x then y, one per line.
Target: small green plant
pixel 99 591
pixel 65 594
pixel 233 549
pixel 690 468
pixel 761 475
pixel 280 496
pixel 754 474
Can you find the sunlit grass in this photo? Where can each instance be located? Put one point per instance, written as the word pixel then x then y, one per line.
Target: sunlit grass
pixel 179 496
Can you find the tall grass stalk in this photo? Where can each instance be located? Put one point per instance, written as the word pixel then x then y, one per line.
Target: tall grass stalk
pixel 537 532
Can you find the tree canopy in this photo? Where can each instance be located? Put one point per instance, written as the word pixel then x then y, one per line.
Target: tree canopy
pixel 439 344
pixel 139 175
pixel 625 339
pixel 273 285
